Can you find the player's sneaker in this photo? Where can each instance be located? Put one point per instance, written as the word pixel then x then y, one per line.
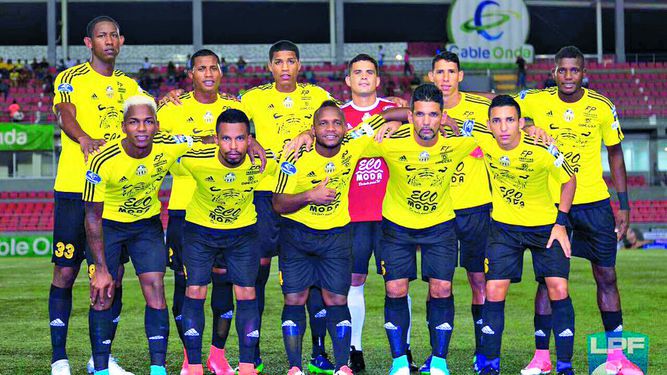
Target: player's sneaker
pixel 247 369
pixel 160 370
pixel 321 365
pixel 357 362
pixel 411 362
pixel 61 367
pixel 439 366
pixel 426 367
pixel 114 367
pixel 344 371
pixel 622 367
pixel 295 371
pixel 217 362
pixel 194 370
pixel 184 367
pixel 539 365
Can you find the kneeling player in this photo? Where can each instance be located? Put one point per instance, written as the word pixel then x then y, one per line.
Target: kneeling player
pixel 525 217
pixel 123 210
pixel 220 220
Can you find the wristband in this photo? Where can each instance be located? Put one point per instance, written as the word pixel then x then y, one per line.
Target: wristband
pixel 561 218
pixel 624 204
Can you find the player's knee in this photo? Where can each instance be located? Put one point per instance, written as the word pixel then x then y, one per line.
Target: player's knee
pixel 605 277
pixel 196 291
pixel 64 277
pixel 358 279
pixel 296 299
pixel 99 306
pixel 244 293
pixel 558 290
pixel 496 290
pixel 333 299
pixel 439 288
pixel 397 289
pixel 477 284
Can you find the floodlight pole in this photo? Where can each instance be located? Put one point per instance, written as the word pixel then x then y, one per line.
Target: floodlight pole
pixel 336 31
pixel 598 19
pixel 620 31
pixel 63 32
pixel 197 29
pixel 51 31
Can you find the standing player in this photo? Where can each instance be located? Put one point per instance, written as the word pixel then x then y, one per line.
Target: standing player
pixel 88 102
pixel 580 119
pixel 122 210
pixel 367 190
pixel 221 222
pixel 316 250
pixel 523 217
pixel 196 116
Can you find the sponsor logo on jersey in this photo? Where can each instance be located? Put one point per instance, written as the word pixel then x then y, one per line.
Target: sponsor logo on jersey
pixel 288 168
pixel 93 177
pixel 65 87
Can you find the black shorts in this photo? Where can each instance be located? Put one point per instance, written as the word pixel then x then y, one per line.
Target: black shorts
pixel 593 235
pixel 472 231
pixel 142 240
pixel 366 242
pixel 310 257
pixel 236 246
pixel 69 232
pixel 399 251
pixel 268 224
pixel 504 257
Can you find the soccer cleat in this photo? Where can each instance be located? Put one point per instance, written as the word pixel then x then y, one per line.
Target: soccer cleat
pixel 114 367
pixel 539 365
pixel 321 365
pixel 217 362
pixel 161 370
pixel 344 371
pixel 439 366
pixel 622 367
pixel 194 370
pixel 426 367
pixel 247 369
pixel 357 363
pixel 295 371
pixel 61 367
pixel 411 362
pixel 400 371
pixel 259 367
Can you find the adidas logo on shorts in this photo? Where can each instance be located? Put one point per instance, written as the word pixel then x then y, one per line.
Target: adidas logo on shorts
pixel 566 333
pixel 191 333
pixel 444 327
pixel 390 326
pixel 488 331
pixel 57 323
pixel 254 334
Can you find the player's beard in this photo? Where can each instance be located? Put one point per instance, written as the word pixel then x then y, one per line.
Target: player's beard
pixel 427 136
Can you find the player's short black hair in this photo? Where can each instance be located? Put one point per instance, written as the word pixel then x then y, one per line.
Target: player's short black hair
pixel 283 45
pixel 447 56
pixel 426 92
pixel 505 101
pixel 570 52
pixel 232 116
pixel 328 104
pixel 201 53
pixel 362 57
pixel 91 25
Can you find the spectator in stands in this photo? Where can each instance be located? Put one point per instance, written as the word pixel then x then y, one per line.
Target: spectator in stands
pixel 44 64
pixel 309 75
pixel 634 239
pixel 380 56
pixel 34 66
pixel 61 65
pixel 390 88
pixel 187 62
pixel 223 65
pixel 549 82
pixel 241 63
pixel 4 88
pixel 407 67
pixel 147 64
pixel 585 82
pixel 14 78
pixel 521 73
pixel 15 113
pixel 70 62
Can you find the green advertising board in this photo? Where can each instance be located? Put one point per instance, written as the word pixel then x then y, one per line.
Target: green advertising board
pixel 19 137
pixel 25 245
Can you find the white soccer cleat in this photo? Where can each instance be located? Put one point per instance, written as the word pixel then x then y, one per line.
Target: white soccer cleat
pixel 114 367
pixel 60 367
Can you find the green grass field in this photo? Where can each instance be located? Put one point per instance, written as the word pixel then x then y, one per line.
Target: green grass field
pixel 25 342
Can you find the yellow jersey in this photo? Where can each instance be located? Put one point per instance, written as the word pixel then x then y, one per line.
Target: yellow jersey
pixel 223 198
pixel 99 111
pixel 470 182
pixel 311 169
pixel 520 180
pixel 279 116
pixel 418 191
pixel 579 129
pixel 194 119
pixel 129 187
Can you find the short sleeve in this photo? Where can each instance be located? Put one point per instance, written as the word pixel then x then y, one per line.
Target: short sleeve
pixel 528 102
pixel 63 89
pixel 246 105
pixel 610 126
pixel 287 176
pixel 95 182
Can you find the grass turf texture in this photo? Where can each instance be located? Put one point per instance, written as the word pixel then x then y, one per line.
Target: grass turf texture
pixel 25 341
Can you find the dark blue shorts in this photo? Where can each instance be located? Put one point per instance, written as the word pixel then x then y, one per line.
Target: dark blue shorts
pixel 472 231
pixel 504 257
pixel 366 242
pixel 69 232
pixel 143 241
pixel 310 257
pixel 268 224
pixel 593 235
pixel 175 242
pixel 399 251
pixel 204 246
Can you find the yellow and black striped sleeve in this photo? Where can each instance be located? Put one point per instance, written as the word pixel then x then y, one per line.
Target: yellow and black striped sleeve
pixel 96 175
pixel 64 87
pixel 288 173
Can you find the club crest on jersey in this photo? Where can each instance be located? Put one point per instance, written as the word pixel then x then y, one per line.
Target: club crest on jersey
pixel 329 168
pixel 468 125
pixel 65 87
pixel 288 102
pixel 505 161
pixel 424 156
pixel 93 177
pixel 568 115
pixel 288 168
pixel 141 170
pixel 109 91
pixel 208 117
pixel 230 177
